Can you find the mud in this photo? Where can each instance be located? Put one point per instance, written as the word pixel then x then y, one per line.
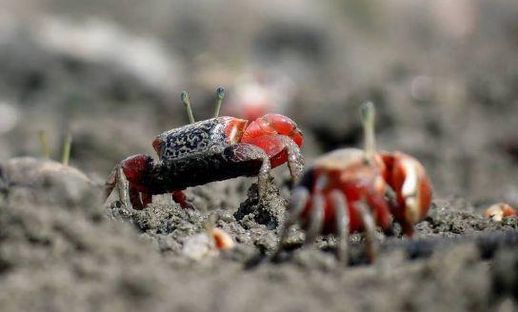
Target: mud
pixel 91 257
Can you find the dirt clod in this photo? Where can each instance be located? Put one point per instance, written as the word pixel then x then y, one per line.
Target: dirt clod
pixel 268 211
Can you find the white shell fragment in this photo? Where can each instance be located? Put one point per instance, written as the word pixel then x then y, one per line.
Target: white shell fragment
pixel 207 244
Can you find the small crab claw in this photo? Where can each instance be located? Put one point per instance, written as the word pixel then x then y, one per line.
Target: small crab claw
pixel 411 186
pixel 128 177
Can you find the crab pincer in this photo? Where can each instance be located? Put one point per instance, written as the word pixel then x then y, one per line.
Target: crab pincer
pixel 215 149
pixel 352 190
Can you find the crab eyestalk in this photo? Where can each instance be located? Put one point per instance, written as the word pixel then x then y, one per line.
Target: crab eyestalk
pixel 220 93
pixel 367 114
pixel 44 141
pixel 186 100
pixel 66 149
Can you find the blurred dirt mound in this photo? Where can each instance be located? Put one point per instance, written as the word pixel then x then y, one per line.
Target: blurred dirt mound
pixel 57 253
pixel 64 184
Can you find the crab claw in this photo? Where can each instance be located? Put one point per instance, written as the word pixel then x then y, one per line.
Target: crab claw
pixel 272 124
pixel 128 177
pixel 135 168
pixel 413 192
pixel 133 180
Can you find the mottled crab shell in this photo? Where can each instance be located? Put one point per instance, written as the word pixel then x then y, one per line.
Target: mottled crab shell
pixel 203 137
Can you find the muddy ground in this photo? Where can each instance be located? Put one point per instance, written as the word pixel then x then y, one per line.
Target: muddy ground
pixel 443 76
pixel 62 249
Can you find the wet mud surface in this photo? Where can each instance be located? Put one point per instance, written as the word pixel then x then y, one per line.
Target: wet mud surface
pixel 56 254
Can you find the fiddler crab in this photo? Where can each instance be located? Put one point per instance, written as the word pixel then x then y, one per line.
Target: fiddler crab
pixel 351 190
pixel 210 150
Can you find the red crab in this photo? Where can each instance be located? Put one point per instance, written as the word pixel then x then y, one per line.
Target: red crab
pixel 352 190
pixel 205 151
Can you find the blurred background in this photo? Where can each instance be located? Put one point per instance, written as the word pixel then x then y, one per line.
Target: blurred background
pixel 443 75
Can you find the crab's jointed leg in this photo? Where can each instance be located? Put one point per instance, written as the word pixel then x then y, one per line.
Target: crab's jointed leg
pixel 316 219
pixel 370 230
pixel 117 180
pixel 128 178
pixel 381 210
pixel 280 138
pixel 251 156
pixel 295 158
pixel 339 203
pixel 180 198
pixel 298 202
pixel 281 149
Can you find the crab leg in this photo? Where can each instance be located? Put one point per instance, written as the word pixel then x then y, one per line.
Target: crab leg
pixel 262 177
pixel 342 224
pixel 316 219
pixel 370 230
pixel 243 153
pixel 123 188
pixel 298 201
pixel 316 216
pixel 145 199
pixel 280 149
pixel 381 210
pixel 180 198
pixel 128 195
pixel 295 159
pixel 110 183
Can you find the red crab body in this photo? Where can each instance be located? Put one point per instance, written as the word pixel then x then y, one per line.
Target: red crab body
pixel 211 150
pixel 346 192
pixel 348 172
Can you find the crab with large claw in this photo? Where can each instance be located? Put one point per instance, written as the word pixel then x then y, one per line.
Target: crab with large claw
pixel 351 190
pixel 205 151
